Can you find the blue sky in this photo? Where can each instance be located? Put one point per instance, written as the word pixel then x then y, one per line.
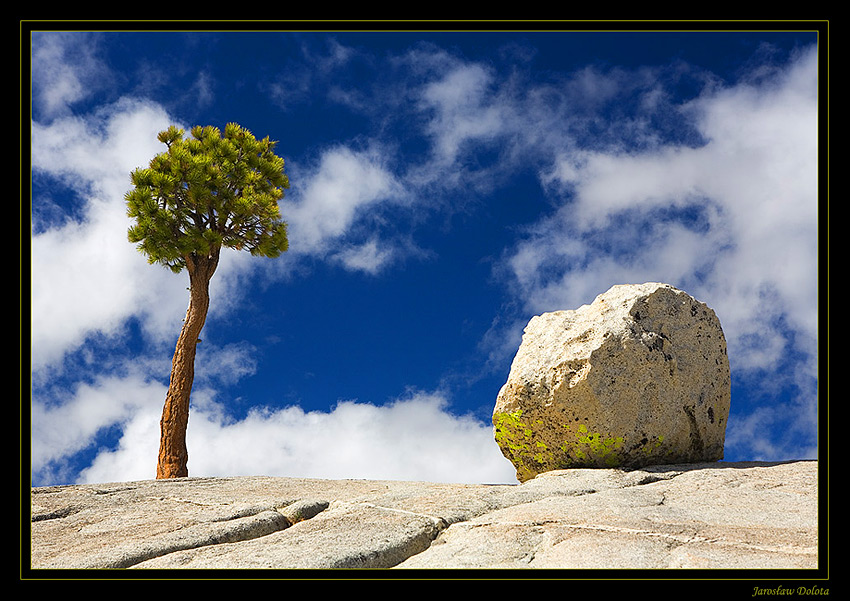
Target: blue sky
pixel 445 188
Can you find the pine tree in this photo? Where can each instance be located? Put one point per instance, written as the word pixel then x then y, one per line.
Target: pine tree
pixel 203 193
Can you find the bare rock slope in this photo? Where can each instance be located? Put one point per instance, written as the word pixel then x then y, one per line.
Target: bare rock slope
pixel 710 515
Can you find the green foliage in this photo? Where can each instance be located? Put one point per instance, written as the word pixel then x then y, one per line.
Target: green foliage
pixel 205 192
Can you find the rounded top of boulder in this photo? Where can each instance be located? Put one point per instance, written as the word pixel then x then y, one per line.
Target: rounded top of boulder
pixel 575 332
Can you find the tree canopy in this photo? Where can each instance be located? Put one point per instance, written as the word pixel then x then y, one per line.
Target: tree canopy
pixel 207 191
pixel 202 193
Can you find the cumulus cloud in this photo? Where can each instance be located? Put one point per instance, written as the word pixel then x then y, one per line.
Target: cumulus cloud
pixel 343 188
pixel 68 423
pixel 86 277
pixel 65 70
pixel 733 220
pixel 413 438
pixel 463 111
pixel 368 257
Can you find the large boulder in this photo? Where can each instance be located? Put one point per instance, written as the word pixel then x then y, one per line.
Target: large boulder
pixel 638 377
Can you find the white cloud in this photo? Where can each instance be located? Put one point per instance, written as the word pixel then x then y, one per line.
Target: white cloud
pixel 747 432
pixel 86 277
pixel 227 364
pixel 343 186
pixel 64 426
pixel 753 187
pixel 414 438
pixel 65 70
pixel 463 110
pixel 367 257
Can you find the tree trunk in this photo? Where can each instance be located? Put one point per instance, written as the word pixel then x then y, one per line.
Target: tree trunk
pixel 173 455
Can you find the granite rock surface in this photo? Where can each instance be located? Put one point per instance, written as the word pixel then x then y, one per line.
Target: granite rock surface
pixel 709 515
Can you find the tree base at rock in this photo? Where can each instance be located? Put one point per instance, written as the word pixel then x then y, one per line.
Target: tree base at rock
pixel 639 377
